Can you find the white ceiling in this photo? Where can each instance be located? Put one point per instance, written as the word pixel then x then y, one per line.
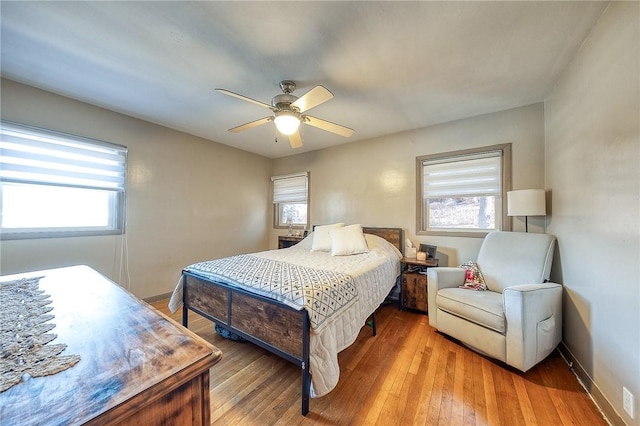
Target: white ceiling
pixel 392 66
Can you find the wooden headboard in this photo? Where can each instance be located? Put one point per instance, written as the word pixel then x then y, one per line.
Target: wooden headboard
pixel 393 235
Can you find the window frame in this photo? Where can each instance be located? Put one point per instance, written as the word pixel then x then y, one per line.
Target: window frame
pixel 116 193
pixel 505 176
pixel 277 207
pixel 279 224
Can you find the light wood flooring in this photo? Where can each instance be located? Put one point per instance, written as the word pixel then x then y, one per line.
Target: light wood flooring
pixel 408 374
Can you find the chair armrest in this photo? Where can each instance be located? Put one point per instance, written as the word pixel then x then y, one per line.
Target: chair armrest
pixel 534 322
pixel 445 277
pixel 438 278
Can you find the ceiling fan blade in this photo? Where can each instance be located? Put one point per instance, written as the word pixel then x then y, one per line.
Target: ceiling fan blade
pixel 244 98
pixel 251 124
pixel 328 126
pixel 295 139
pixel 312 98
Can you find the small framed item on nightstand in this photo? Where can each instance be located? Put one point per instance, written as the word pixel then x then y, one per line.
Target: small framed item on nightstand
pixel 430 250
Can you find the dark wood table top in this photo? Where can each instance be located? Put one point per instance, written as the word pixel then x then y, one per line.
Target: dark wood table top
pixel 126 348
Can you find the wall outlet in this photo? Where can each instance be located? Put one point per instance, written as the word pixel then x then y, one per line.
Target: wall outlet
pixel 627 401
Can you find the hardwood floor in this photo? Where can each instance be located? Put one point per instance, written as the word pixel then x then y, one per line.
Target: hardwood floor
pixel 408 374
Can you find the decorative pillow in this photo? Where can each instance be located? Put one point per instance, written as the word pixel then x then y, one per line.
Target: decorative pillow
pixel 473 280
pixel 348 240
pixel 321 237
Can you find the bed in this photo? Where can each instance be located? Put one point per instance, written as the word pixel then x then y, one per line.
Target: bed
pixel 308 330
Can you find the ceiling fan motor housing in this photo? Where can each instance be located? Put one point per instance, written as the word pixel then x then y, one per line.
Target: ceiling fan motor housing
pixel 284 101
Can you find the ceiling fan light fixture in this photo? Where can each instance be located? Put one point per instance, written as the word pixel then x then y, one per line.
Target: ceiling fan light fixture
pixel 287 122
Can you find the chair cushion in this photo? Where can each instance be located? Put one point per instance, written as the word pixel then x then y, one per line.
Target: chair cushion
pixel 481 307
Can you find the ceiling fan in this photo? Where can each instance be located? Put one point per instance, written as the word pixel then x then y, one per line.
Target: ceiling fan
pixel 288 112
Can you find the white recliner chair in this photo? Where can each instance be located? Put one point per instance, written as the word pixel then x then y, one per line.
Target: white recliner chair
pixel 518 319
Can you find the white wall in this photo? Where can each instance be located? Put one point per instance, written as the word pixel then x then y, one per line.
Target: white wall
pixel 592 160
pixel 188 199
pixel 374 182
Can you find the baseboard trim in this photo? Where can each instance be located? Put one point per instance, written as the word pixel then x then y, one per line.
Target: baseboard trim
pixel 153 299
pixel 598 398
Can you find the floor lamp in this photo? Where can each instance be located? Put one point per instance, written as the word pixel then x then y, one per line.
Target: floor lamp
pixel 526 202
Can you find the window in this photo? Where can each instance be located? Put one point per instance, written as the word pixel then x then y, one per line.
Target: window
pixel 290 200
pixel 58 185
pixel 461 193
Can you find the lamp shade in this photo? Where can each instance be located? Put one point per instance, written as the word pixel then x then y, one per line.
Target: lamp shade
pixel 287 122
pixel 526 202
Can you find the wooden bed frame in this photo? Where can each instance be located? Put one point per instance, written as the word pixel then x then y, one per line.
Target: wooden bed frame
pixel 266 322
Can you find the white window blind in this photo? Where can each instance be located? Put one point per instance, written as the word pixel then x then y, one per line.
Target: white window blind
pixel 290 188
pixel 37 156
pixel 472 175
pixel 58 185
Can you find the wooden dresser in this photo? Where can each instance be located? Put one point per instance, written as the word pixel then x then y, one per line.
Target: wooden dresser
pixel 137 366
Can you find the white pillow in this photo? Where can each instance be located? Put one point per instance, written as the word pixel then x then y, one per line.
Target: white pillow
pixel 321 237
pixel 348 240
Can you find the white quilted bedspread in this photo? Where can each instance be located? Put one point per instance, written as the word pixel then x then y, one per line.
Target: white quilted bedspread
pixel 374 276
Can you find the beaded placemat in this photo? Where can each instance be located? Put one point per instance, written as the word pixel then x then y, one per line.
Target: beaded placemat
pixel 24 334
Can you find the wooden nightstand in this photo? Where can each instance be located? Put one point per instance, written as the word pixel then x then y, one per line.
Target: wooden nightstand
pixel 413 286
pixel 286 241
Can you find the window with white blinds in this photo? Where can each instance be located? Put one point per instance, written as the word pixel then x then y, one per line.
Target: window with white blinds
pixel 463 191
pixel 462 176
pixel 53 184
pixel 290 188
pixel 290 199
